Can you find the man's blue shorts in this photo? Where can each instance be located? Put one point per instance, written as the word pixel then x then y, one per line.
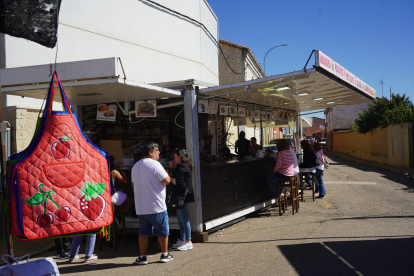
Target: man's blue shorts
pixel 158 221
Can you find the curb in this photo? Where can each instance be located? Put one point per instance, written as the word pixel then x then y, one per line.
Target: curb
pixel 385 167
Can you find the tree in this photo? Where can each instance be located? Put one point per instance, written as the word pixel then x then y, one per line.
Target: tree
pixel 383 112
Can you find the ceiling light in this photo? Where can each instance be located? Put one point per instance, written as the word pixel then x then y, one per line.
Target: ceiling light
pixel 317 99
pixel 330 102
pixel 90 94
pixel 282 88
pixel 165 98
pixel 302 94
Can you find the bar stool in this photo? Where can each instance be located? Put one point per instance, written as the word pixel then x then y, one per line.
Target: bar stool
pixel 291 183
pixel 303 177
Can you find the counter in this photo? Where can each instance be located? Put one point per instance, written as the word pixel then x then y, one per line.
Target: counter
pixel 229 186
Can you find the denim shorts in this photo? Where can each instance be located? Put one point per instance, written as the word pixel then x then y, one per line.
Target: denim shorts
pixel 159 222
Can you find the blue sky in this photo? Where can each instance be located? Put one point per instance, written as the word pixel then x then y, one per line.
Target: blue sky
pixel 372 39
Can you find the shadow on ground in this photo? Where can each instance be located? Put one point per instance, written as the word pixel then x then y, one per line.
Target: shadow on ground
pixel 363 257
pixel 390 175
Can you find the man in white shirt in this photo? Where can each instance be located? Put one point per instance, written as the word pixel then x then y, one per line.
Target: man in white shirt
pixel 149 179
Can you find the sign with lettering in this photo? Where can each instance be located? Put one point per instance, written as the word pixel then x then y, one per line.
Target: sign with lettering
pixel 325 62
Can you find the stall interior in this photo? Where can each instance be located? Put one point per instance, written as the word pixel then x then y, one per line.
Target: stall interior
pixel 124 138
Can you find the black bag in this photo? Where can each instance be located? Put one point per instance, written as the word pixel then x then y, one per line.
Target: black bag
pixel 176 202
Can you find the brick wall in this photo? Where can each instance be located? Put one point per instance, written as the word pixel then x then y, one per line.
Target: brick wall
pixel 22 124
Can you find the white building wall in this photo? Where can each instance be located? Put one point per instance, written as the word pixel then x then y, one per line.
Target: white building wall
pixel 153 44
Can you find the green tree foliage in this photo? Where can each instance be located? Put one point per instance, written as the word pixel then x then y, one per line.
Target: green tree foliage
pixel 383 112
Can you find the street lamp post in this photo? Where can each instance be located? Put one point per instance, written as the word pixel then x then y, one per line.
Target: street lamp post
pixel 264 60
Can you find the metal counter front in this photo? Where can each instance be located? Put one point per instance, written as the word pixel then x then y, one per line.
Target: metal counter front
pixel 232 186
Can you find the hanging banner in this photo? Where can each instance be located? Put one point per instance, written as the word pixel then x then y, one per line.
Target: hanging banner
pixel 212 107
pixel 233 110
pixel 269 115
pixel 106 112
pixel 239 121
pixel 285 115
pixel 256 113
pixel 241 111
pixel 202 106
pixel 275 115
pixel 224 110
pixel 280 115
pixel 147 108
pixel 250 113
pixel 263 114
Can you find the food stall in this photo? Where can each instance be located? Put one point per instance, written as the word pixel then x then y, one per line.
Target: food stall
pixel 177 114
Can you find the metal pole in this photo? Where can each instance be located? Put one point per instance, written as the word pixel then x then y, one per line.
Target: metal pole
pixel 192 144
pixel 390 94
pixel 261 132
pixel 299 125
pixel 264 60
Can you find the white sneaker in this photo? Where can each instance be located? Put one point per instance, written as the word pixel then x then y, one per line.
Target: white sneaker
pixel 186 246
pixel 91 258
pixel 178 244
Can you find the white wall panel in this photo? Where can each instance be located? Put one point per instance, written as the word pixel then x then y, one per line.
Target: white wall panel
pixel 154 45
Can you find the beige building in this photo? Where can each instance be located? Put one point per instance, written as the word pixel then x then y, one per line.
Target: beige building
pixel 243 62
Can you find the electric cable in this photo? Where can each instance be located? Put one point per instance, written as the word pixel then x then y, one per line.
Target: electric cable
pixel 175 120
pixel 204 27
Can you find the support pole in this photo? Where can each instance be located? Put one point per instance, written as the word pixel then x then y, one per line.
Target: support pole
pixel 261 133
pixel 299 131
pixel 192 146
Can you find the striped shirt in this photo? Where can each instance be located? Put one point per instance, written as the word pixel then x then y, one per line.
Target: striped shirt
pixel 284 163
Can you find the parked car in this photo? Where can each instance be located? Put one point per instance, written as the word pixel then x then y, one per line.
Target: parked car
pixel 323 142
pixel 271 146
pixel 273 141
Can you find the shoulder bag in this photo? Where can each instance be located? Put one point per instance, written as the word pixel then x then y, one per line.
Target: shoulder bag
pixel 176 202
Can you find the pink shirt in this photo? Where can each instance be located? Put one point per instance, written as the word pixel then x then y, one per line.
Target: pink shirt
pixel 284 163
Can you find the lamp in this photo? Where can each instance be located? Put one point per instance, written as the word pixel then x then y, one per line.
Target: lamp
pixel 264 60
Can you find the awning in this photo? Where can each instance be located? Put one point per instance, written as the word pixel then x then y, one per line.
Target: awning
pixel 85 82
pixel 305 90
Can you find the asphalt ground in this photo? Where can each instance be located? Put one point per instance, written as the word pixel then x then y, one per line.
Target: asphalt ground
pixel 365 226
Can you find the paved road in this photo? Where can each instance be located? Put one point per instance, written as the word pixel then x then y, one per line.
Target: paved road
pixel 365 226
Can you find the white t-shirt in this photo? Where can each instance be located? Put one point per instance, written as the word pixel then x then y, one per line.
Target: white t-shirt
pixel 149 192
pixel 295 161
pixel 319 156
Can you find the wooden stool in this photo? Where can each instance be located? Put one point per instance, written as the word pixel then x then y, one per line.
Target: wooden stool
pixel 118 211
pixel 303 177
pixel 291 183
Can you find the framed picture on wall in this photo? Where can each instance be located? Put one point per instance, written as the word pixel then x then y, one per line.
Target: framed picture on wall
pixel 106 112
pixel 232 110
pixel 224 110
pixel 241 111
pixel 202 106
pixel 146 108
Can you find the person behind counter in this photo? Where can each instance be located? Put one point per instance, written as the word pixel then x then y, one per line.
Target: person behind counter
pixel 242 146
pixel 183 186
pixel 149 179
pixel 118 197
pixel 285 165
pixel 254 147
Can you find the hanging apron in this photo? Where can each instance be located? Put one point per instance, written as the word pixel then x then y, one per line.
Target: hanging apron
pixel 60 184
